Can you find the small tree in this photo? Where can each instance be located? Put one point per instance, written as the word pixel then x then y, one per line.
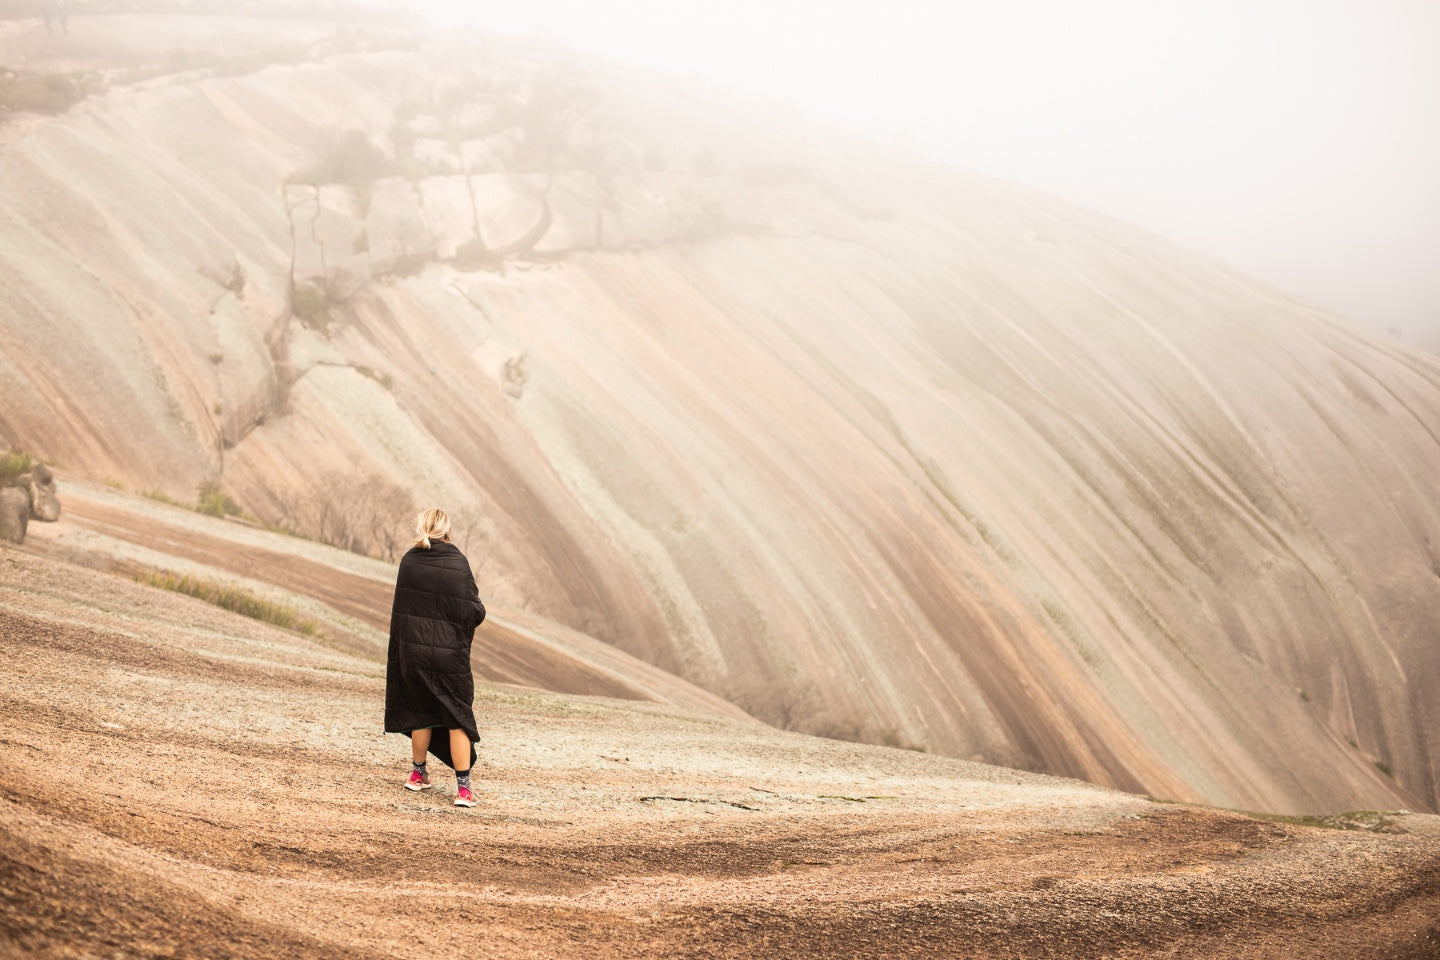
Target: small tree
pixel 351 158
pixel 388 515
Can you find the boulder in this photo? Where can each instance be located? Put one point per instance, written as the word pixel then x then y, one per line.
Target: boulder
pixel 449 214
pixel 14 514
pixel 511 211
pixel 307 259
pixel 504 363
pixel 575 213
pixel 44 503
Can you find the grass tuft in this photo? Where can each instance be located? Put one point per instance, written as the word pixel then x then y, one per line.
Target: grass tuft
pixel 153 493
pixel 284 528
pixel 234 599
pixel 210 499
pixel 1375 821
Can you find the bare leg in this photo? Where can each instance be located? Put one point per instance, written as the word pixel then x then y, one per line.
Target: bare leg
pixel 459 750
pixel 420 745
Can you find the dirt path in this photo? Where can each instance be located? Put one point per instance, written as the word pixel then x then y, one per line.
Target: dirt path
pixel 180 781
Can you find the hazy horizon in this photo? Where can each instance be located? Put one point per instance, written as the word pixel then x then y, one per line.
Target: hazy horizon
pixel 1295 141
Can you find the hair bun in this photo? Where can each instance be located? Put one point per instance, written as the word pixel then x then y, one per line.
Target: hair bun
pixel 431 524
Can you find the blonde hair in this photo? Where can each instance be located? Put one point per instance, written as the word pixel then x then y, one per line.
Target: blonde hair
pixel 433 524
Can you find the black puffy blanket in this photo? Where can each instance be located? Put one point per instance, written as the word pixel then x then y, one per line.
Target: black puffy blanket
pixel 427 680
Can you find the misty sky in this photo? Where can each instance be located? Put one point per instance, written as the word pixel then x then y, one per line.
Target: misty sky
pixel 1296 139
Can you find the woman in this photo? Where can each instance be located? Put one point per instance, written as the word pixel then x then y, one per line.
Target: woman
pixel 428 686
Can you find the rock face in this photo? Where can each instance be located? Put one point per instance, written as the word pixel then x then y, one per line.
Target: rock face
pixel 14 514
pixel 873 449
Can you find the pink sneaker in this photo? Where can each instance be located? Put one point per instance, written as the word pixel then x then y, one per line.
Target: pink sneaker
pixel 418 781
pixel 464 798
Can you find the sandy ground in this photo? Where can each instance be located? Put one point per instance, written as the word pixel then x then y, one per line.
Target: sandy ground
pixel 181 781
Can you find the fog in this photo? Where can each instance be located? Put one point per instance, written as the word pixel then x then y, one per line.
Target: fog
pixel 1298 141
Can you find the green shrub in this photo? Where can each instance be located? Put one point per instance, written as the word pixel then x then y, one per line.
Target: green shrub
pixel 210 499
pixel 234 599
pixel 311 305
pixel 12 464
pixel 39 92
pixel 471 255
pixel 351 158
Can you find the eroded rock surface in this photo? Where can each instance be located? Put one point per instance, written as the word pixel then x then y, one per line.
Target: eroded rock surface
pixel 872 449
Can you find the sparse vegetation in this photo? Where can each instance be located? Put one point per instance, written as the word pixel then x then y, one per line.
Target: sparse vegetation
pixel 554 103
pixel 1384 768
pixel 41 92
pixel 380 377
pixel 336 11
pixel 311 306
pixel 163 497
pixel 287 530
pixel 402 138
pixel 352 159
pixel 1376 821
pixel 13 463
pixel 235 599
pixel 235 283
pixel 471 254
pixel 215 502
pixel 367 515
